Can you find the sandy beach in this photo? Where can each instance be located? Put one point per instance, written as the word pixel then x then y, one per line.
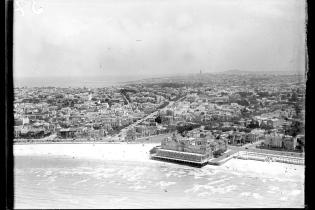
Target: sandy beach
pixel 268 169
pixel 140 153
pixel 119 151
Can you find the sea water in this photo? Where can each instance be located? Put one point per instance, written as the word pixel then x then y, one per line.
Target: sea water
pixel 65 182
pixel 75 82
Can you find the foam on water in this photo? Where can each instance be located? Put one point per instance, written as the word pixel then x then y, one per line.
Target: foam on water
pixel 43 182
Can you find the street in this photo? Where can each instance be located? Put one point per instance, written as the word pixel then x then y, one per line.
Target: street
pixel 122 134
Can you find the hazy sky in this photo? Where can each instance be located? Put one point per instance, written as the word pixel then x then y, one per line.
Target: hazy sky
pixel 156 37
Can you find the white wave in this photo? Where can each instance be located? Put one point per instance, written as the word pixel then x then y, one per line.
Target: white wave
pixel 138 187
pixel 52 179
pixel 270 191
pixel 133 175
pixel 163 184
pixel 245 194
pixel 82 181
pixel 204 194
pixel 257 196
pixel 295 192
pixel 194 189
pixel 47 173
pixel 204 172
pixel 273 188
pixel 211 189
pixel 117 200
pixel 218 181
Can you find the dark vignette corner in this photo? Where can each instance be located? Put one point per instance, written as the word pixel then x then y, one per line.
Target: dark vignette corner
pixel 308 117
pixel 8 106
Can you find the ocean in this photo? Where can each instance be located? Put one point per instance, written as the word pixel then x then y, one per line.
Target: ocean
pixel 75 82
pixel 71 182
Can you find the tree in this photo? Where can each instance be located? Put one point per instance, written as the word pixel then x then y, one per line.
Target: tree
pixel 253 124
pixel 208 127
pixel 224 129
pixel 294 97
pixel 295 128
pixel 244 113
pixel 247 130
pixel 266 126
pixel 185 128
pixel 297 109
pixel 158 119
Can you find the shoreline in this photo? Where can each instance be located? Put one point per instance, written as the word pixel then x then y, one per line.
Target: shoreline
pixel 139 152
pixel 228 155
pixel 152 139
pixel 78 142
pixel 121 151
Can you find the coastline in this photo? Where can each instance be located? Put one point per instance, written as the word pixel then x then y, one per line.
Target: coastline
pixel 120 151
pixel 75 142
pixel 139 152
pixel 107 140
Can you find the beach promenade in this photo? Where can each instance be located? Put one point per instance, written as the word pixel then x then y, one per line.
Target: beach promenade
pixel 269 157
pixel 249 152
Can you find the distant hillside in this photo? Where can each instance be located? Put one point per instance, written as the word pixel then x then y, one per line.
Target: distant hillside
pixel 235 71
pixel 240 72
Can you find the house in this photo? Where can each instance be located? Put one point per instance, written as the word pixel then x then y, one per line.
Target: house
pixel 66 133
pixel 251 137
pixel 289 142
pixel 17 131
pixel 274 140
pixel 131 135
pixel 300 140
pixel 274 122
pixel 237 138
pixel 167 120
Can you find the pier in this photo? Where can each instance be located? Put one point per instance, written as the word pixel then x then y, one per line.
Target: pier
pixel 180 161
pixel 181 157
pixel 222 159
pixel 199 160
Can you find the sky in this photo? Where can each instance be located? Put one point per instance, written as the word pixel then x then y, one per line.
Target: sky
pixel 69 38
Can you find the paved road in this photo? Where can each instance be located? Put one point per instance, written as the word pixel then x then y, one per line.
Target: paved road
pixel 253 145
pixel 122 133
pixel 125 98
